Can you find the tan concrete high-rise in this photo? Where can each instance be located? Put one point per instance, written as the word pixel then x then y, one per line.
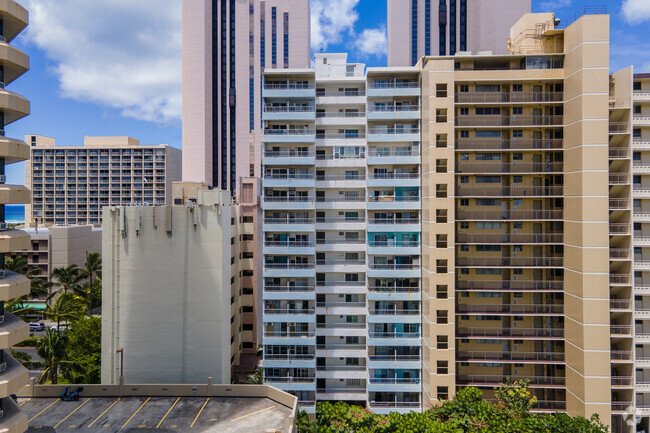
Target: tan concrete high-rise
pixel 419 28
pixel 13 64
pixel 227 44
pixel 526 218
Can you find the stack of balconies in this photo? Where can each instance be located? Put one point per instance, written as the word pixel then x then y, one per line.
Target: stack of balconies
pixel 13 63
pixel 509 238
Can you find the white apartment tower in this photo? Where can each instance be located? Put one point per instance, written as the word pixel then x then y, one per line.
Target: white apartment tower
pixel 341 207
pixel 419 28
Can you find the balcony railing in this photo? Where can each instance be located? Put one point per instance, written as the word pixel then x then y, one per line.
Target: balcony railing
pixel 510 356
pixel 275 379
pixel 284 176
pixel 289 132
pixel 394 289
pixel 625 381
pixel 394 131
pixel 289 288
pixel 621 355
pixel 508 144
pixel 393 108
pixel 395 380
pixel 394 357
pixel 394 404
pixel 327 157
pixel 497 379
pixel 341 368
pixel 511 332
pixel 343 93
pixel 619 203
pixel 504 285
pixel 619 153
pixel 619 127
pixel 289 154
pixel 394 312
pixel 394 85
pixel 391 176
pixel 619 279
pixel 340 114
pixel 373 334
pixel 513 167
pixel 339 241
pixel 620 330
pixel 340 283
pixel 296 311
pixel 322 220
pixel 620 304
pixel 394 221
pixel 499 97
pixel 288 109
pixel 287 199
pixel 288 86
pixel 392 243
pixel 509 215
pixel 288 356
pixel 507 191
pixel 300 244
pixel 341 304
pixel 486 120
pixel 390 154
pixel 338 198
pixel 340 262
pixel 509 238
pixel 510 309
pixel 393 198
pixel 341 325
pixel 393 267
pixel 336 136
pixel 288 266
pixel 510 261
pixel 289 334
pixel 288 220
pixel 347 177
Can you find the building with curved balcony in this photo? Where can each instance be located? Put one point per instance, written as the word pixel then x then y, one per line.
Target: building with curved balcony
pixel 13 63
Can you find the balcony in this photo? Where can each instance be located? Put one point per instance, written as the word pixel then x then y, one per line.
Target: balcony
pixel 391 202
pixel 290 112
pixel 393 246
pixel 641 95
pixel 394 315
pixel 385 407
pixel 620 330
pixel 512 333
pixel 296 270
pixel 506 286
pixel 393 157
pixel 621 356
pixel 393 224
pixel 393 179
pixel 345 394
pixel 289 157
pixel 510 310
pixel 511 357
pixel 340 329
pixel 289 90
pixel 620 279
pixel 511 144
pixel 499 215
pixel 493 381
pixel 639 120
pixel 332 160
pixel 294 315
pixel 622 407
pixel 340 118
pixel 341 201
pixel 289 247
pixel 288 360
pixel 394 112
pixel 13 285
pixel 341 308
pixel 507 191
pixel 385 270
pixel 287 202
pixel 350 266
pixel 619 203
pixel 341 287
pixel 13 376
pixel 13 419
pixel 620 254
pixel 287 292
pixel 526 262
pixel 341 372
pixel 291 383
pixel 288 224
pixel 620 304
pixel 13 331
pixel 385 135
pixel 507 97
pixel 394 293
pixel 289 136
pixel 340 245
pixel 394 384
pixel 619 128
pixel 341 223
pixel 509 238
pixel 394 338
pixel 341 181
pixel 508 168
pixel 288 338
pixel 289 180
pixel 384 89
pixel 394 361
pixel 638 144
pixel 341 350
pixel 507 121
pixel 639 167
pixel 623 382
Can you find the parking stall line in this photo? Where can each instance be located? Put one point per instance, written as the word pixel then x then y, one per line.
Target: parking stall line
pixel 253 413
pixel 49 406
pixel 24 402
pixel 76 409
pixel 198 414
pixel 102 414
pixel 136 412
pixel 170 409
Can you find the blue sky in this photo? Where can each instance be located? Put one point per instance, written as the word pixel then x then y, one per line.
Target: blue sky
pixel 112 67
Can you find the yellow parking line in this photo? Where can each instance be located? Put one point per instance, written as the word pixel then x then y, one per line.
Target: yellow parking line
pixel 134 414
pixel 24 402
pixel 55 400
pixel 262 410
pixel 197 415
pixel 170 409
pixel 102 414
pixel 76 409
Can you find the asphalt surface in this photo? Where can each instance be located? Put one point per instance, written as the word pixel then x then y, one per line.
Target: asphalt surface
pixel 159 414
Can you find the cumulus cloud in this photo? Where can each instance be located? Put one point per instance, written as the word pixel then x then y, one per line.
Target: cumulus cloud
pixel 330 21
pixel 372 42
pixel 636 11
pixel 123 54
pixel 553 5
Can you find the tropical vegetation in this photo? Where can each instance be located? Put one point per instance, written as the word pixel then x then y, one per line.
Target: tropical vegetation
pixel 467 412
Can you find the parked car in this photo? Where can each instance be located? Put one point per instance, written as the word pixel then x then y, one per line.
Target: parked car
pixel 37 326
pixel 62 327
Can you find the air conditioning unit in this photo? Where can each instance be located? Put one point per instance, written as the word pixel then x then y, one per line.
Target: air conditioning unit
pixel 3 179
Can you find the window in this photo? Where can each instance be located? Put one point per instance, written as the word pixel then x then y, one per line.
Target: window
pixel 488 88
pixel 463 88
pixel 488 202
pixel 517 110
pixel 442 367
pixel 464 224
pixel 441 190
pixel 489 225
pixel 441 291
pixel 441 166
pixel 488 111
pixel 488 134
pixel 441 241
pixel 464 134
pixel 441 317
pixel 442 393
pixel 488 248
pixel 441 140
pixel 441 266
pixel 441 90
pixel 442 342
pixel 488 179
pixel 464 202
pixel 464 156
pixel 464 179
pixel 464 248
pixel 488 156
pixel 464 271
pixel 464 111
pixel 441 216
pixel 517 157
pixel 517 133
pixel 517 87
pixel 441 115
pixel 517 179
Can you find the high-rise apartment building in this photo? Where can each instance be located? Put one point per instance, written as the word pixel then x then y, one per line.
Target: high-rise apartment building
pixel 341 207
pixel 13 64
pixel 526 209
pixel 419 28
pixel 641 236
pixel 227 44
pixel 71 184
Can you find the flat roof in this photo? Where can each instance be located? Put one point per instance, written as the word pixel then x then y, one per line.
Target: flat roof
pixel 160 414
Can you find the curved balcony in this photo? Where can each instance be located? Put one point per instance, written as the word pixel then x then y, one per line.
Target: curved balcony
pixel 13 420
pixel 13 150
pixel 13 376
pixel 13 285
pixel 14 240
pixel 516 357
pixel 14 18
pixel 14 194
pixel 14 62
pixel 14 106
pixel 12 331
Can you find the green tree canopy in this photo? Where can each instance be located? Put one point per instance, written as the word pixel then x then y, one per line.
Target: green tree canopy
pixel 84 348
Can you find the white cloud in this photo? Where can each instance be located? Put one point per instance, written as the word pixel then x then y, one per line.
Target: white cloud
pixel 636 11
pixel 372 42
pixel 553 5
pixel 330 20
pixel 123 54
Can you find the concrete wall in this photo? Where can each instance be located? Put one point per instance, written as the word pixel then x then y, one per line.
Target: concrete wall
pixel 69 245
pixel 166 296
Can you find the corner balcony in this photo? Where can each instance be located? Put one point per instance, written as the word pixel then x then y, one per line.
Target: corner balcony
pixel 289 158
pixel 393 224
pixel 289 338
pixel 376 384
pixel 341 223
pixel 13 376
pixel 392 89
pixel 394 112
pixel 406 362
pixel 340 329
pixel 291 315
pixel 292 383
pixel 289 113
pixel 289 293
pixel 394 293
pixel 289 247
pixel 345 266
pixel 393 179
pixel 376 270
pixel 341 308
pixel 289 136
pixel 394 338
pixel 14 61
pixel 287 203
pixel 13 105
pixel 511 357
pixel 385 407
pixel 289 181
pixel 390 135
pixel 13 285
pixel 289 90
pixel 511 333
pixel 288 224
pixel 13 150
pixel 14 194
pixel 13 330
pixel 393 157
pixel 390 202
pixel 294 270
pixel 393 316
pixel 393 247
pixel 13 420
pixel 288 360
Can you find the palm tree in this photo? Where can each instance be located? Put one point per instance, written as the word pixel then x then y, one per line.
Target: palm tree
pixel 92 294
pixel 92 269
pixel 41 287
pixel 16 264
pixel 66 308
pixel 67 278
pixel 52 349
pixel 255 378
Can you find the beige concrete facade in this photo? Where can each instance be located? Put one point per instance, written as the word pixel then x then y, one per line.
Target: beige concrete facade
pixel 526 245
pixel 419 28
pixel 71 184
pixel 222 116
pixel 14 63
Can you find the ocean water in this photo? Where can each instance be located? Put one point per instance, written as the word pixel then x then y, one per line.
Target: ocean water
pixel 14 213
